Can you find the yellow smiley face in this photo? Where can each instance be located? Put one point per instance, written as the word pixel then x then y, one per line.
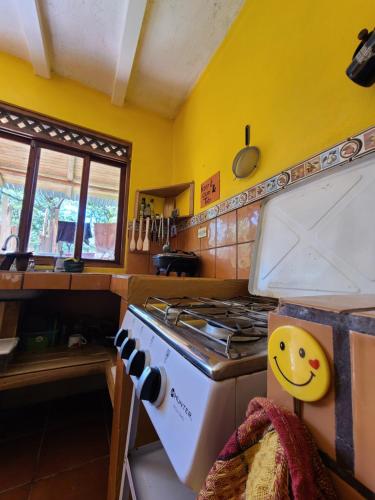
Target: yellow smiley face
pixel 299 363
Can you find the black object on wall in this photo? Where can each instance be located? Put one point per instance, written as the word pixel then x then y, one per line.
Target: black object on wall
pixel 362 68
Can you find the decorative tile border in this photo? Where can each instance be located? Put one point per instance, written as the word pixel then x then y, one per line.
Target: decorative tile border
pixel 34 126
pixel 342 153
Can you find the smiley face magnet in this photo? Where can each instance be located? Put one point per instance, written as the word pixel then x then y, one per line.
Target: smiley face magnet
pixel 299 363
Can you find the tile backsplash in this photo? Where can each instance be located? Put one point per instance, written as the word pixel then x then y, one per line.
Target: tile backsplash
pixel 227 249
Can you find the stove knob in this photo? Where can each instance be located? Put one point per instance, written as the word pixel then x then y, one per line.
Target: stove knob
pixel 121 335
pixel 127 348
pixel 151 386
pixel 137 362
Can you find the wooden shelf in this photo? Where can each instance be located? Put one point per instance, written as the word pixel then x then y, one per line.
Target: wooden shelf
pixel 169 191
pixel 169 194
pixel 56 363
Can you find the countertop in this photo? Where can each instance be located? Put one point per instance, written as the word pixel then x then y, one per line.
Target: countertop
pixel 120 284
pixel 54 281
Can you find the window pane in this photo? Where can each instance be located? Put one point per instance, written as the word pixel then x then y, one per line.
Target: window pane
pixel 102 212
pixel 55 213
pixel 13 166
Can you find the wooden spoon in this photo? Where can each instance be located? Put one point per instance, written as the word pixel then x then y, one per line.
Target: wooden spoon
pixel 146 241
pixel 140 242
pixel 132 241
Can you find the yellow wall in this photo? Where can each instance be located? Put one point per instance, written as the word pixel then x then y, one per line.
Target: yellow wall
pixel 64 99
pixel 281 69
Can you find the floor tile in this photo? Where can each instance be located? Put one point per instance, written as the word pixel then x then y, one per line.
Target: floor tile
pixel 21 493
pixel 72 446
pixel 18 460
pixel 88 482
pixel 79 408
pixel 17 422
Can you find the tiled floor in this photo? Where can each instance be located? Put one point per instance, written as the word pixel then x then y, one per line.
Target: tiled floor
pixel 56 450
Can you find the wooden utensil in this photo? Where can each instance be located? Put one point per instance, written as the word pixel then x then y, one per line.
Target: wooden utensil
pixel 139 241
pixel 146 241
pixel 132 241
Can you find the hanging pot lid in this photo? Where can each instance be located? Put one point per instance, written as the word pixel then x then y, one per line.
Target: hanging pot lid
pixel 246 159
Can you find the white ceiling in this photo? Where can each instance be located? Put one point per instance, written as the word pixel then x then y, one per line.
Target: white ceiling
pixel 94 41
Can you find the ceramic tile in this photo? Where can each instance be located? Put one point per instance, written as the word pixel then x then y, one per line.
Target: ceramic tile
pixel 77 409
pixel 156 247
pixel 88 482
pixel 181 241
pixel 362 350
pixel 226 229
pixel 136 263
pixel 18 460
pixel 226 262
pixel 343 489
pixel 72 446
pixel 192 240
pixel 207 269
pixel 90 281
pixel 369 139
pixel 16 422
pixel 10 280
pixel 330 158
pixel 151 267
pixel 244 253
pixel 46 281
pixel 120 285
pixel 350 149
pixel 21 493
pixel 210 240
pixel 247 222
pixel 312 166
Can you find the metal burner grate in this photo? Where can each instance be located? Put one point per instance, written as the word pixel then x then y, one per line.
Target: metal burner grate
pixel 228 326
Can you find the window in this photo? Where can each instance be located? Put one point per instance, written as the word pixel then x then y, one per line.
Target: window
pixel 13 167
pixel 61 201
pixel 103 195
pixel 56 204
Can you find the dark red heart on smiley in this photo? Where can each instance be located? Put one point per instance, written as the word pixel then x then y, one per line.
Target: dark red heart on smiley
pixel 314 363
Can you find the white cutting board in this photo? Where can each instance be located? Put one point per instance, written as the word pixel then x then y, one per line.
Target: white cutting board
pixel 318 237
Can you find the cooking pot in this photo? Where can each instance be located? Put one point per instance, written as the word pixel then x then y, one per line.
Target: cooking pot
pixel 178 262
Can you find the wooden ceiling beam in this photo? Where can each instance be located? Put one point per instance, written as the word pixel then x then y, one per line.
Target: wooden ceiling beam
pixel 32 24
pixel 135 10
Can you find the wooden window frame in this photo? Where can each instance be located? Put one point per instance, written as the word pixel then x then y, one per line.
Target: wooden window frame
pixel 30 188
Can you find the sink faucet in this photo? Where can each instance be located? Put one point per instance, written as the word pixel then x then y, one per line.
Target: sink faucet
pixel 4 247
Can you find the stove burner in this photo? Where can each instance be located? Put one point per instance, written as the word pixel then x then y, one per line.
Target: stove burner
pixel 225 326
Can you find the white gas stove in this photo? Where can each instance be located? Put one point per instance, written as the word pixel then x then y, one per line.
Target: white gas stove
pixel 195 364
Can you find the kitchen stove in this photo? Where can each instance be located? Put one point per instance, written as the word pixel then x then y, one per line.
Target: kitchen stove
pixel 227 327
pixel 195 363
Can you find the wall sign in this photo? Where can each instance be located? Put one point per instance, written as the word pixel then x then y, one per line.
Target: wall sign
pixel 210 190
